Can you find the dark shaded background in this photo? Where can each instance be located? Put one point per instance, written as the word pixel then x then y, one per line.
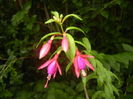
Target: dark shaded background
pixel 108 25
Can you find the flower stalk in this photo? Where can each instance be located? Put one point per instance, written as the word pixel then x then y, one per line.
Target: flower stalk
pixel 45 48
pixel 52 67
pixel 86 92
pixel 80 61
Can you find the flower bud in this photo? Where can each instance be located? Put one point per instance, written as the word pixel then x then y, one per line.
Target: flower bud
pixel 45 48
pixel 65 43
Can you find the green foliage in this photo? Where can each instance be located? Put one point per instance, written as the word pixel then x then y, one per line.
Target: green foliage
pixel 16 32
pixel 49 34
pixel 49 21
pixel 87 44
pixel 72 47
pixel 107 25
pixel 68 66
pixel 74 28
pixel 127 47
pixel 21 15
pixel 60 20
pixel 71 15
pixel 105 79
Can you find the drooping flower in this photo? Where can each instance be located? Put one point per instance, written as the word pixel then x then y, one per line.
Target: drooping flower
pixel 65 43
pixel 52 67
pixel 80 63
pixel 45 48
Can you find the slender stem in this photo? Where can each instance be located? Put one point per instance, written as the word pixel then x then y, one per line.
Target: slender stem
pixel 86 93
pixel 61 28
pixel 20 3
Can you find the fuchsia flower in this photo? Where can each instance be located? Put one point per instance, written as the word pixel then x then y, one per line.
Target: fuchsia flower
pixel 65 43
pixel 80 63
pixel 52 67
pixel 45 48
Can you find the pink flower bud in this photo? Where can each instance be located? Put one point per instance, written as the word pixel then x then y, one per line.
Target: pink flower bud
pixel 45 48
pixel 65 43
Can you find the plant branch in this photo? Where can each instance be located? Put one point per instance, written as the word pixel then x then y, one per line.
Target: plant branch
pixel 86 93
pixel 62 28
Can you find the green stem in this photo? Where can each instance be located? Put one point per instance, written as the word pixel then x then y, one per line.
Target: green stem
pixel 85 91
pixel 61 28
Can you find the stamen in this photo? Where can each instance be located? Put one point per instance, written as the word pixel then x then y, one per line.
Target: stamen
pixel 52 37
pixel 83 73
pixel 48 78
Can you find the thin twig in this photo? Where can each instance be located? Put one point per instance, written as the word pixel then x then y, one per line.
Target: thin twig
pixel 86 93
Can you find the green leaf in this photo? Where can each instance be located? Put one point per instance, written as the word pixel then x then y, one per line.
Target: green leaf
pixel 105 14
pixel 130 79
pixel 61 16
pixel 127 47
pixel 72 48
pixel 98 94
pixel 49 21
pixel 78 42
pixel 79 87
pixel 119 2
pixel 91 76
pixel 55 52
pixel 38 87
pixel 86 43
pixel 99 70
pixel 124 58
pixel 111 62
pixel 68 66
pixel 55 13
pixel 108 91
pixel 58 38
pixel 130 88
pixel 93 62
pixel 49 34
pixel 84 80
pixel 8 67
pixel 71 15
pixel 51 93
pixel 104 78
pixel 127 96
pixel 74 28
pixel 113 75
pixel 115 90
pixel 20 15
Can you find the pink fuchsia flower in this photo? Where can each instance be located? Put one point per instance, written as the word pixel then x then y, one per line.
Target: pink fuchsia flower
pixel 45 48
pixel 65 43
pixel 52 67
pixel 80 63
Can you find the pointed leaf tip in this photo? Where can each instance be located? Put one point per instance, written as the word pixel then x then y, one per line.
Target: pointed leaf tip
pixel 71 15
pixel 49 21
pixel 72 48
pixel 74 28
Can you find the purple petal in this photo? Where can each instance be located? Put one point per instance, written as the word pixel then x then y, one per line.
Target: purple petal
pixel 59 69
pixel 54 75
pixel 56 56
pixel 77 71
pixel 84 56
pixel 81 63
pixel 45 64
pixel 89 64
pixel 52 68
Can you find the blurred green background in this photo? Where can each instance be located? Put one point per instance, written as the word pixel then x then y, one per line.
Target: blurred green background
pixel 108 25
